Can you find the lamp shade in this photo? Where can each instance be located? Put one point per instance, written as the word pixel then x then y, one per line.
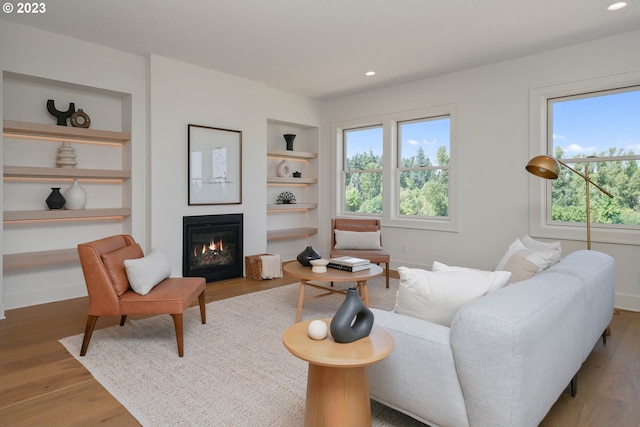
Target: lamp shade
pixel 546 167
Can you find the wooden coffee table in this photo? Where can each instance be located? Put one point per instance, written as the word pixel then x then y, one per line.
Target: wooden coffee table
pixel 305 275
pixel 337 383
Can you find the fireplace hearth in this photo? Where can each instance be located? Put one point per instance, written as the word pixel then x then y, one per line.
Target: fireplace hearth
pixel 212 246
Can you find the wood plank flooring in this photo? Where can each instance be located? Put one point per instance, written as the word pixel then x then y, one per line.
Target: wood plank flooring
pixel 41 384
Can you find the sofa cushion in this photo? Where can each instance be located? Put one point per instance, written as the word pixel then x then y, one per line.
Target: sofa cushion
pixel 114 263
pixel 499 279
pixel 145 273
pixel 437 296
pixel 522 262
pixel 357 239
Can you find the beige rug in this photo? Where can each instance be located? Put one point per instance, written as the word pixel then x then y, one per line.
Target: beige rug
pixel 235 370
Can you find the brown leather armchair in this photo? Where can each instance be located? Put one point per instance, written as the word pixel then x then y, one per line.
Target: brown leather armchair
pixel 376 256
pixel 102 264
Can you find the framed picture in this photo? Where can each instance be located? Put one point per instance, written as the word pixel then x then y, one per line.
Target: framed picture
pixel 215 166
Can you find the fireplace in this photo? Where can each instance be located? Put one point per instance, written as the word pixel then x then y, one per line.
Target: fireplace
pixel 212 246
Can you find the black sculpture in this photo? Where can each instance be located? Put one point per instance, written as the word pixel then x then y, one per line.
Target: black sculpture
pixel 62 116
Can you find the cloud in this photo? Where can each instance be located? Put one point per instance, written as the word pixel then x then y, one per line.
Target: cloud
pixel 577 148
pixel 556 136
pixel 413 142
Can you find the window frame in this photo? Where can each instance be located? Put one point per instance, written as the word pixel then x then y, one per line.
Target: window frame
pixel 540 223
pixel 390 216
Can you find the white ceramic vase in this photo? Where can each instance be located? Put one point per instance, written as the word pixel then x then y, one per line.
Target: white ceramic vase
pixel 75 196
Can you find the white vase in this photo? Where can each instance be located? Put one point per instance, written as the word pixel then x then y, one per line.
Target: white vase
pixel 75 196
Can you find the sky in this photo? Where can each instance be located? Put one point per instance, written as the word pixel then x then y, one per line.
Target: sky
pixel 591 125
pixel 580 126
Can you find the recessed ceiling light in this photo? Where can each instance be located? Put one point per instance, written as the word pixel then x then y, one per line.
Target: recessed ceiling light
pixel 617 5
pixel 370 73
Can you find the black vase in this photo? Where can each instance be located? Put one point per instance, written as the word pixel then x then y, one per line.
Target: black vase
pixel 56 199
pixel 307 255
pixel 344 328
pixel 289 137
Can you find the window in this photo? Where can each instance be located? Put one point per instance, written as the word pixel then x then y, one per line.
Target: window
pixel 363 170
pixel 398 167
pixel 597 133
pixel 423 167
pixel 592 126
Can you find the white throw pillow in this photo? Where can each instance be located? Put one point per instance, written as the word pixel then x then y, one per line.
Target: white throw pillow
pixel 538 245
pixel 436 296
pixel 499 279
pixel 357 239
pixel 145 273
pixel 522 262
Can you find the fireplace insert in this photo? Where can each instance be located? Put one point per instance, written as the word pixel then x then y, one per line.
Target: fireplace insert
pixel 212 246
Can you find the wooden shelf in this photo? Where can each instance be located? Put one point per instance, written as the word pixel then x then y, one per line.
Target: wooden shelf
pixel 40 258
pixel 291 207
pixel 58 133
pixel 40 172
pixel 294 155
pixel 291 233
pixel 63 214
pixel 278 180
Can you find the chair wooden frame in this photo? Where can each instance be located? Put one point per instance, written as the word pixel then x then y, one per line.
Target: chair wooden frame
pixel 171 296
pixel 376 256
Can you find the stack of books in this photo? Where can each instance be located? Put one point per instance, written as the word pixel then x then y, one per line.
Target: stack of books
pixel 348 263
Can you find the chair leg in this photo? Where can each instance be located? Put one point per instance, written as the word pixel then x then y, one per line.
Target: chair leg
pixel 88 331
pixel 203 308
pixel 177 322
pixel 604 337
pixel 123 319
pixel 574 385
pixel 386 272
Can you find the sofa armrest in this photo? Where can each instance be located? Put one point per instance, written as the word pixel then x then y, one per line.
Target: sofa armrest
pixel 419 376
pixel 517 349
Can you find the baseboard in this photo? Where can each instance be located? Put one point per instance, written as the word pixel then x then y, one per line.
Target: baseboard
pixel 627 302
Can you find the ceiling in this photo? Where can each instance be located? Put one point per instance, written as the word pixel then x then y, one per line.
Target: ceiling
pixel 322 48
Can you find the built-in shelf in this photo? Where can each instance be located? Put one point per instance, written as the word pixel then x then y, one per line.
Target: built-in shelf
pixel 291 233
pixel 279 180
pixel 291 207
pixel 56 133
pixel 40 258
pixel 63 214
pixel 40 172
pixel 286 154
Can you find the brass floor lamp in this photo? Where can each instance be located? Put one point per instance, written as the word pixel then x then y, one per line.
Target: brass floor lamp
pixel 548 167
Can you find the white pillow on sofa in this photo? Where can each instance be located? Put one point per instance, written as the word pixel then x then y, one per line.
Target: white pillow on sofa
pixel 357 239
pixel 145 273
pixel 538 245
pixel 522 262
pixel 499 279
pixel 436 296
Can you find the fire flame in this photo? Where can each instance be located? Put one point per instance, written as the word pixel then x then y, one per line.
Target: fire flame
pixel 212 247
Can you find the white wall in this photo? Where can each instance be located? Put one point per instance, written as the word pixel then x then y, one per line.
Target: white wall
pixel 492 113
pixel 183 94
pixel 62 61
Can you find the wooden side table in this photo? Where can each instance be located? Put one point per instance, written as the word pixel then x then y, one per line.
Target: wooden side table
pixel 305 275
pixel 337 384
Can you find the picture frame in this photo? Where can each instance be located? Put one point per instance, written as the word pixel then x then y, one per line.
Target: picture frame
pixel 215 165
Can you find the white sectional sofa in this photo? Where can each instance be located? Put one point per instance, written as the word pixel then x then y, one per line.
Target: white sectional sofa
pixel 507 356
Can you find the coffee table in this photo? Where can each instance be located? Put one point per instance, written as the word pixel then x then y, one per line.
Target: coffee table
pixel 337 383
pixel 305 275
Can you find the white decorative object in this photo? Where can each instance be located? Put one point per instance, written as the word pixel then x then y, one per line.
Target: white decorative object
pixel 66 156
pixel 75 196
pixel 318 329
pixel 319 265
pixel 283 170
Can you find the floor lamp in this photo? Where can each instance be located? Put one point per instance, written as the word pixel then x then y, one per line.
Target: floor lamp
pixel 548 167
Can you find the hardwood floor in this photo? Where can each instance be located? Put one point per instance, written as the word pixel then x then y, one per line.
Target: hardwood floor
pixel 43 385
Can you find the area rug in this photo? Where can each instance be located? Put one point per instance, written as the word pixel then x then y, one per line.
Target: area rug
pixel 235 370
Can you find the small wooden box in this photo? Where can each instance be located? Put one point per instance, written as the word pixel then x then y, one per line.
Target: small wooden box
pixel 253 266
